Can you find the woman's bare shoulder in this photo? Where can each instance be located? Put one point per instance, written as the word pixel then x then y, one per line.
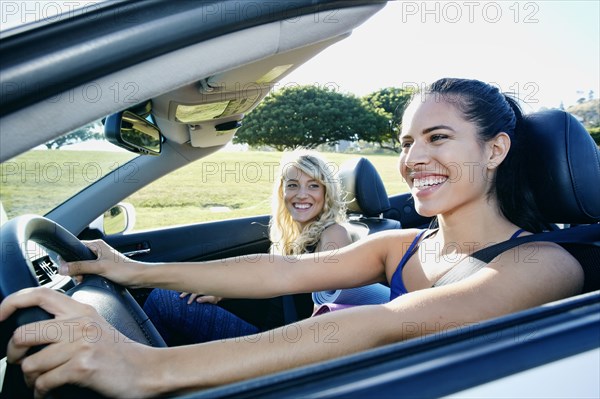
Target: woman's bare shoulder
pixel 334 236
pixel 335 228
pixel 542 267
pixel 518 279
pixel 539 253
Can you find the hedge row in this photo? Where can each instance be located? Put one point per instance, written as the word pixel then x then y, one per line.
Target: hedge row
pixel 595 133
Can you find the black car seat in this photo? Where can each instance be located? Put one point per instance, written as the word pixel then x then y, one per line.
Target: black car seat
pixel 563 168
pixel 366 198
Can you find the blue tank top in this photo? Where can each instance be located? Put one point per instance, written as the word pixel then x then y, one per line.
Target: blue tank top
pixel 397 287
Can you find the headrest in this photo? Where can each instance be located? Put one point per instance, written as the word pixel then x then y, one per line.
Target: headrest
pixel 365 192
pixel 563 164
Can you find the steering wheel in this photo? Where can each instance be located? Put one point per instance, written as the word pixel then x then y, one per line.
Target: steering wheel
pixel 111 300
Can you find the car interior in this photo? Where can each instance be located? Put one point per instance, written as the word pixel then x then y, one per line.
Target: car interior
pixel 562 143
pixel 196 93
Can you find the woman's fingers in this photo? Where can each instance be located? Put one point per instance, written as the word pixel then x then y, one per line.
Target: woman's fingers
pixel 77 268
pixel 71 318
pixel 109 263
pixel 99 359
pixel 74 268
pixel 192 298
pixel 200 298
pixel 36 365
pixel 209 299
pixel 81 347
pixel 50 380
pixel 51 301
pixel 34 334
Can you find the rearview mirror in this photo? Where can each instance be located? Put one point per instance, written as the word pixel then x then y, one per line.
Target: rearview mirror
pixel 134 133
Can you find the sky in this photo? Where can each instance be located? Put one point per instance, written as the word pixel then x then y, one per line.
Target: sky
pixel 546 52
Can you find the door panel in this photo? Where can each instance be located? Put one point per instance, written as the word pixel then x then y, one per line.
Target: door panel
pixel 202 241
pixel 198 242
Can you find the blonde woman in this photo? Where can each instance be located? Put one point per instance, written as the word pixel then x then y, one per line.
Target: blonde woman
pixel 307 207
pixel 307 216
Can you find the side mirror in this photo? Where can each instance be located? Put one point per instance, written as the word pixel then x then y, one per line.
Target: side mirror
pixel 134 133
pixel 118 219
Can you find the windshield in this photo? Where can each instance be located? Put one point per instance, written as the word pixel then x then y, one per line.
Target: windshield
pixel 44 177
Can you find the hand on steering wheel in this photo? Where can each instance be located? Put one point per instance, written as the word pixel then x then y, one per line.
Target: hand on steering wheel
pixel 107 262
pixel 80 343
pixel 115 304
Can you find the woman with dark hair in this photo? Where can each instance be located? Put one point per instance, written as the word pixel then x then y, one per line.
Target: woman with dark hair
pixel 458 140
pixel 493 112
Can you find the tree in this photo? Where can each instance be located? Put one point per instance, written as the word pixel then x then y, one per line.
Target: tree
pixel 588 112
pixel 388 104
pixel 595 133
pixel 87 132
pixel 305 116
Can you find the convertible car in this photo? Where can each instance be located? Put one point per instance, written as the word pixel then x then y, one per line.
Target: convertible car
pixel 171 82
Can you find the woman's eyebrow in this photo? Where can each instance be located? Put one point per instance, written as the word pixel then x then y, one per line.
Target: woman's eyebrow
pixel 428 130
pixel 437 127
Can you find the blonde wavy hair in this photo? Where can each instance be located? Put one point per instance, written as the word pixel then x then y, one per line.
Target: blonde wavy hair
pixel 284 233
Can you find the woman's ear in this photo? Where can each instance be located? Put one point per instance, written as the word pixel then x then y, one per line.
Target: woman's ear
pixel 499 146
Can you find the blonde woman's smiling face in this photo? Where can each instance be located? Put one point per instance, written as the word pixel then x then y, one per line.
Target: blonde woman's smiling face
pixel 303 195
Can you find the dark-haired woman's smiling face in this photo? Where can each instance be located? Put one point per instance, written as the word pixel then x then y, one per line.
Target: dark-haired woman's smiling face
pixel 441 159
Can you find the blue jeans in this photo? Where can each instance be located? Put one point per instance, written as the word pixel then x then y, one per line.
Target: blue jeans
pixel 182 324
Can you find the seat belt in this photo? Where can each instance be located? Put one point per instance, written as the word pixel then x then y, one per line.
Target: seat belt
pixel 588 236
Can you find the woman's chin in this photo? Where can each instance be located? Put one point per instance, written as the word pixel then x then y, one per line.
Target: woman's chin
pixel 425 211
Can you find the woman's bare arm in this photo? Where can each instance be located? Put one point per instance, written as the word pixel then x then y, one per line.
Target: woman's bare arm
pixel 250 276
pixel 332 238
pixel 505 286
pixel 513 282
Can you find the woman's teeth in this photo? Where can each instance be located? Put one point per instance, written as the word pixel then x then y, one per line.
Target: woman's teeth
pixel 429 181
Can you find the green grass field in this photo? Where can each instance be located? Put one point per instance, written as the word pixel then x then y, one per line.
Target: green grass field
pixel 222 186
pixel 37 181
